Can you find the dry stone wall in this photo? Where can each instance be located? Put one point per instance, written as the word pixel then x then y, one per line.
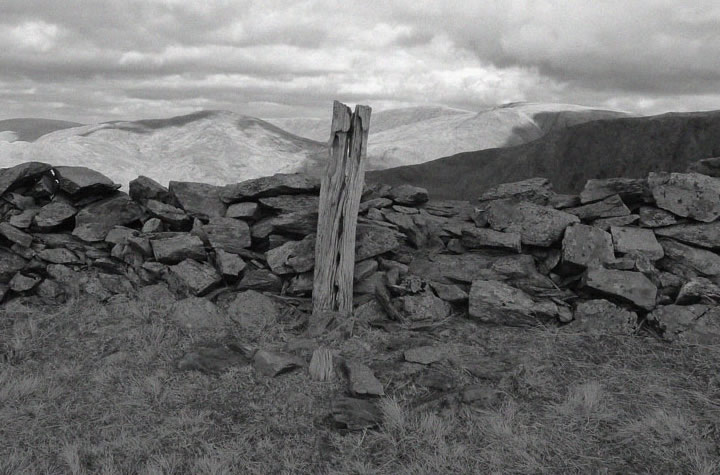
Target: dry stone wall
pixel 622 256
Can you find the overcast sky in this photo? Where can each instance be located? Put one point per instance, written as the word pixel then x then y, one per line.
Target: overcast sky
pixel 96 60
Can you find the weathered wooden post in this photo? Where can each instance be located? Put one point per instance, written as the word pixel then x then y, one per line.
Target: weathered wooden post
pixel 340 192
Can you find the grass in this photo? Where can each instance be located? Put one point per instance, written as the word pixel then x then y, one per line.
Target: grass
pixel 93 388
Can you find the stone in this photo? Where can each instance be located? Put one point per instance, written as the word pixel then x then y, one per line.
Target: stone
pixel 688 261
pixel 301 284
pixel 23 251
pixel 449 293
pixel 364 269
pixel 143 189
pixel 153 225
pixel 706 166
pixel 230 235
pixel 291 203
pixel 176 249
pixel 690 195
pixel 630 286
pixel 59 256
pixel 260 279
pixel 253 310
pixel 361 380
pixel 694 324
pixel 562 201
pixel 245 210
pixel 629 189
pixel 197 278
pixel 698 290
pixel 408 195
pixel 23 283
pixel 479 217
pixel 229 265
pixel 197 313
pixel 25 219
pixel 141 245
pixel 611 207
pixel 375 203
pixel 160 296
pixel 49 291
pixel 15 235
pixel 606 223
pixel 19 201
pixel 211 359
pixel 534 190
pixel 278 184
pixel 407 225
pixel 499 303
pixel 700 234
pixel 83 181
pixel 586 246
pixel 120 235
pixel 537 225
pixel 275 363
pixel 355 414
pixel 651 217
pixel 371 241
pixel 481 395
pixel 293 256
pixel 22 174
pixel 425 354
pixel 90 232
pixel 405 209
pixel 300 223
pixel 631 240
pixel 116 284
pixel 171 215
pixel 53 215
pixel 116 210
pixel 600 317
pixel 425 306
pixel 476 238
pixel 199 200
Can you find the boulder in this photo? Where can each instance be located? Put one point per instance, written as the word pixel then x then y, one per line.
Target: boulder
pixel 537 225
pixel 23 283
pixel 534 190
pixel 599 317
pixel 631 240
pixel 630 286
pixel 83 181
pixel 244 210
pixel 698 290
pixel 229 265
pixel 230 235
pixel 176 249
pixel 116 210
pixel 199 200
pixel 629 189
pixel 651 217
pixel 278 184
pixel 25 219
pixel 171 215
pixel 143 189
pixel 586 246
pixel 687 261
pixel 476 238
pixel 610 207
pixel 361 380
pixel 194 277
pixel 606 223
pixel 497 302
pixel 197 313
pixel 694 324
pixel 275 363
pixel 408 195
pixel 10 264
pixel 690 195
pixel 700 234
pixel 260 279
pixel 13 234
pixel 22 174
pixel 53 215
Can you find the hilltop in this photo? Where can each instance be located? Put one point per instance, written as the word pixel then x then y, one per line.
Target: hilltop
pixel 30 129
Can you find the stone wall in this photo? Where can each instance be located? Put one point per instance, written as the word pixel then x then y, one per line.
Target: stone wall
pixel 622 255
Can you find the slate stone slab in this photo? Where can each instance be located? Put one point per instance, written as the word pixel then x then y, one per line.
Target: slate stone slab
pixel 24 173
pixel 10 264
pixel 600 317
pixel 176 249
pixel 278 184
pixel 25 219
pixel 700 234
pixel 15 235
pixel 629 189
pixel 229 265
pixel 631 286
pixel 175 217
pixel 143 189
pixel 244 210
pixel 23 283
pixel 116 210
pixel 275 363
pixel 499 303
pixel 586 246
pixel 53 215
pixel 636 240
pixel 230 235
pixel 534 190
pixel 293 256
pixel 199 200
pixel 694 324
pixel 537 225
pixel 651 217
pixel 690 195
pixel 361 379
pixel 260 279
pixel 688 261
pixel 198 278
pixel 355 414
pixel 610 207
pixel 606 223
pixel 197 313
pixel 84 181
pixel 476 238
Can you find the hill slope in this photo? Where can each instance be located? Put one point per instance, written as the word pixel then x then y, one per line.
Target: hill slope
pixel 629 147
pixel 210 146
pixel 30 129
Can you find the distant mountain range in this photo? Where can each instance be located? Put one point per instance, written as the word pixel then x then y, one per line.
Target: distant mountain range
pixel 629 146
pixel 224 147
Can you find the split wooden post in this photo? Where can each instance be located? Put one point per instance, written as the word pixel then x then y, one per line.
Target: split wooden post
pixel 340 192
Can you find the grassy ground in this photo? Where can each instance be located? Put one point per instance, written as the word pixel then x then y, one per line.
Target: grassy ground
pixel 92 388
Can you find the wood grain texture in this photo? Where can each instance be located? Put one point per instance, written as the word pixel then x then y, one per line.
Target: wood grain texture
pixel 340 192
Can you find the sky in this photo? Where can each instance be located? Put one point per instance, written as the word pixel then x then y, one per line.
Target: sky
pixel 98 60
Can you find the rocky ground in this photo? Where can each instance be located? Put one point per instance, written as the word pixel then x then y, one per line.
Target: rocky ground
pixel 168 330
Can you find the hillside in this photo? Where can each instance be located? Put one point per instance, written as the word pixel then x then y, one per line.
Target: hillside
pixel 30 129
pixel 629 147
pixel 212 146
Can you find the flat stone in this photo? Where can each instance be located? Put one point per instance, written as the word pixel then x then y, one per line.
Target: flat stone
pixel 636 240
pixel 361 380
pixel 260 279
pixel 449 293
pixel 698 290
pixel 15 235
pixel 700 234
pixel 53 215
pixel 230 235
pixel 291 203
pixel 301 284
pixel 425 306
pixel 253 310
pixel 245 210
pixel 537 225
pixel 707 166
pixel 600 317
pixel 199 200
pixel 175 217
pixel 19 175
pixel 426 354
pixel 197 313
pixel 116 210
pixel 275 363
pixel 693 324
pixel 631 286
pixel 364 269
pixel 153 225
pixel 176 249
pixel 534 190
pixel 211 359
pixel 408 195
pixel 25 219
pixel 610 207
pixel 278 184
pixel 375 203
pixel 405 209
pixel 586 246
pixel 292 257
pixel 499 303
pixel 407 225
pixel 629 189
pixel 197 278
pixel 606 223
pixel 355 414
pixel 120 235
pixel 688 261
pixel 651 217
pixel 690 195
pixel 476 238
pixel 299 223
pixel 23 283
pixel 143 189
pixel 562 201
pixel 229 265
pixel 19 201
pixel 59 256
pixel 83 180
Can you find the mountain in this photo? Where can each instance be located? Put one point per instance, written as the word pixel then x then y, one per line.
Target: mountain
pixel 210 146
pixel 419 134
pixel 629 146
pixel 30 129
